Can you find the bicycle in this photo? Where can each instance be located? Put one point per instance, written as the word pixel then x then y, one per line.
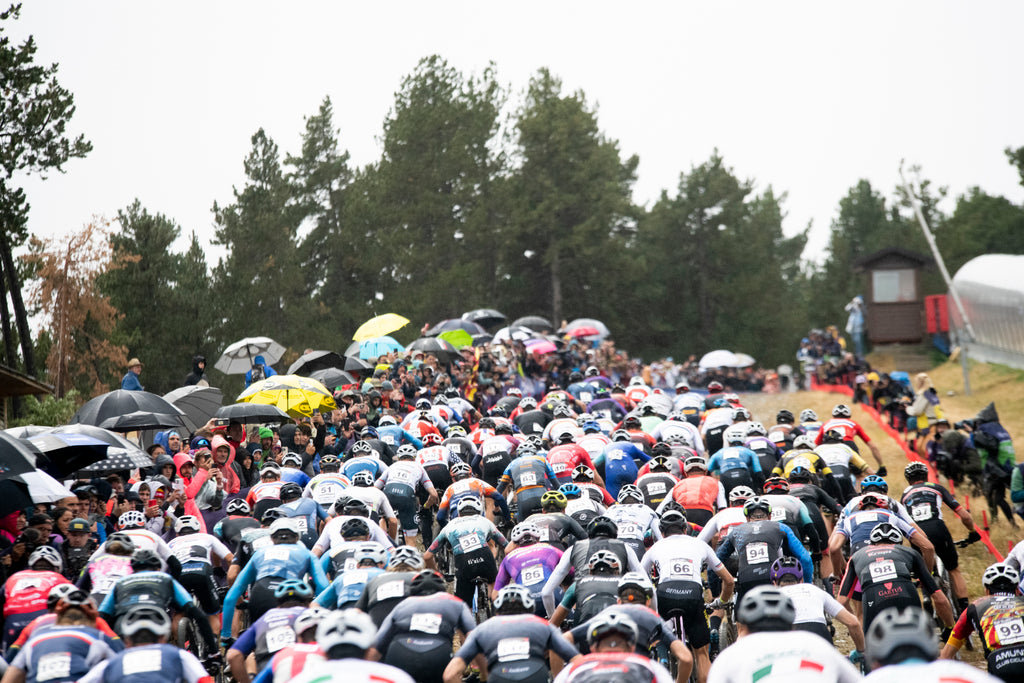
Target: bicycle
pixel 483 608
pixel 189 639
pixel 727 629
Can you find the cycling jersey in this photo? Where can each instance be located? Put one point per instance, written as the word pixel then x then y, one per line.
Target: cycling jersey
pixel 558 529
pixel 528 473
pixel 649 625
pixel 156 663
pixel 229 529
pixel 294 475
pixel 671 430
pixel 700 492
pixel 364 463
pixel 515 647
pixel 584 510
pixel 395 436
pixel 924 500
pixel 347 588
pixel 25 596
pixel 656 487
pixel 342 558
pixel 783 435
pixel 578 558
pixel 468 534
pixel 858 526
pixel 380 506
pixel 556 428
pixel 886 574
pixel 102 573
pixel 810 460
pixel 589 595
pixel 143 539
pixel 270 633
pixel 197 547
pixel 437 462
pixel 680 558
pixel 331 536
pixel 718 526
pixel 565 458
pixel 61 654
pixel 308 514
pixel 758 544
pixel 325 487
pixel 151 588
pixel 620 462
pixel 350 671
pixel 846 426
pixel 468 487
pixel 779 657
pixel 999 621
pixel 529 566
pixel 614 667
pixel 264 490
pixel 811 603
pixel 635 521
pixel 494 457
pixel 417 636
pixel 733 457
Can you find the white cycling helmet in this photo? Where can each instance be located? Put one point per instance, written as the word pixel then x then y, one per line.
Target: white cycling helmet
pixel 187 523
pixel 347 627
pixel 133 519
pixel 804 442
pixel 46 554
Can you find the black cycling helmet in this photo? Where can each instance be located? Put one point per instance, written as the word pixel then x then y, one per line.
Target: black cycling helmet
pixel 602 526
pixel 672 522
pixel 799 475
pixel 354 527
pixel 766 608
pixel 272 515
pixel 608 623
pixel 503 428
pixel 145 559
pixel 290 491
pixel 661 448
pixel 784 417
pixel 896 635
pixel 915 471
pixel 427 582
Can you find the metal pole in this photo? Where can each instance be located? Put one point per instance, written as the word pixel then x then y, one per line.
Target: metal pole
pixel 930 238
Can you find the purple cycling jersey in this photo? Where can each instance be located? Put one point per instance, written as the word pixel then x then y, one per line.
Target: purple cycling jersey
pixel 529 566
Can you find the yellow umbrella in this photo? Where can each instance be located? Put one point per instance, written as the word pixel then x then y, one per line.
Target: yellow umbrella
pixel 380 326
pixel 295 395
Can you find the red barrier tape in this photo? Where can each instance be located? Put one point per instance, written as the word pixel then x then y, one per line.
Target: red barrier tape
pixel 911 455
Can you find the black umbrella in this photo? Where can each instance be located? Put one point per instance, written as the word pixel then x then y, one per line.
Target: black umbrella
pixel 333 377
pixel 482 339
pixel 353 350
pixel 535 323
pixel 252 413
pixel 356 365
pixel 117 460
pixel 121 402
pixel 444 351
pixel 455 324
pixel 485 317
pixel 310 362
pixel 16 456
pixel 14 496
pixel 27 431
pixel 141 419
pixel 69 452
pixel 198 403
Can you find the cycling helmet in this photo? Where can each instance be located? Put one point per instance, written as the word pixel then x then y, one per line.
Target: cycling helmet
pixel 48 555
pixel 284 526
pixel 405 452
pixel 591 427
pixel 554 499
pixel 291 460
pixel 608 623
pixel 452 392
pixel 356 526
pixel 290 491
pixel 632 422
pixel 145 617
pixel 309 619
pixel 293 589
pixel 571 491
pixel 58 592
pixel 566 437
pixel 841 410
pixel 528 403
pixel 119 544
pixel 756 429
pixel 526 448
pixel 804 442
pixel 874 481
pixel 637 580
pixel 605 560
pixel 133 519
pixel 427 582
pixel 620 435
pixel 661 449
pixel 784 417
pixel 363 479
pixel 915 471
pixel 503 428
pixel 886 533
pixel 423 404
pixel 582 472
pixel 272 515
pixel 757 503
pixel 787 566
pixel 355 506
pixel 591 371
pixel 740 493
pixel 799 475
pixel 485 423
pixel 440 400
pixel 350 628
pixel 470 505
pixel 536 440
pixel 833 436
pixel 630 491
pixel 672 522
pixel 145 559
pixel 270 470
pixel 776 484
pixel 386 421
pixel 999 575
pixel 456 430
pixel 694 462
pixel 740 414
pixel 735 436
pixel 602 526
pixel 460 470
pixel 187 523
pixel 561 410
pixel 895 635
pixel 370 552
pixel 238 506
pixel 525 533
pixel 808 415
pixel 872 498
pixel 766 608
pixel 715 387
pixel 636 381
pixel 431 439
pixel 660 463
pixel 732 398
pixel 80 599
pixel 407 555
pixel 514 599
pixel 362 448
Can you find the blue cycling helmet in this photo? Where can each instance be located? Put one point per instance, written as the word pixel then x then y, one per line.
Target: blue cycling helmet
pixel 293 589
pixel 591 427
pixel 875 481
pixel 571 490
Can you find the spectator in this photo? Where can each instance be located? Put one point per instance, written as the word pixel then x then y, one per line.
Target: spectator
pixel 198 374
pixel 130 381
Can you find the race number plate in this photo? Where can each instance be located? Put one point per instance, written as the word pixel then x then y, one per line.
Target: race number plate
pixel 757 553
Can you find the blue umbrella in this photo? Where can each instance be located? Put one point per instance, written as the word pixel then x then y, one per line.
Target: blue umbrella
pixel 378 346
pixel 69 452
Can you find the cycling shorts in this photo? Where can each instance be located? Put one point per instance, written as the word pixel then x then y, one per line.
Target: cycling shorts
pixel 878 597
pixel 1007 663
pixel 197 578
pixel 525 671
pixel 817 627
pixel 528 502
pixel 945 547
pixel 261 597
pixel 699 516
pixel 403 502
pixel 478 564
pixel 685 598
pixel 738 476
pixel 424 665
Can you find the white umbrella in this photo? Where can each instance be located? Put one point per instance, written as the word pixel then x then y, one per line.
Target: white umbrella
pixel 516 333
pixel 43 488
pixel 743 360
pixel 601 328
pixel 237 358
pixel 722 358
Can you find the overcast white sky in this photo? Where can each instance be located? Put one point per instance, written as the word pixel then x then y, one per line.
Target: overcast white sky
pixel 805 96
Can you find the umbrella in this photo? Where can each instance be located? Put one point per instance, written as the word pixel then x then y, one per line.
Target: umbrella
pixel 380 326
pixel 485 317
pixel 16 456
pixel 743 360
pixel 118 460
pixel 308 363
pixel 377 347
pixel 517 333
pixel 356 365
pixel 457 338
pixel 541 346
pixel 720 358
pixel 141 419
pixel 121 402
pixel 602 329
pixel 252 413
pixel 198 403
pixel 333 377
pixel 116 442
pixel 293 394
pixel 454 324
pixel 69 452
pixel 43 488
pixel 482 339
pixel 237 358
pixel 534 322
pixel 444 351
pixel 13 496
pixel 583 331
pixel 26 431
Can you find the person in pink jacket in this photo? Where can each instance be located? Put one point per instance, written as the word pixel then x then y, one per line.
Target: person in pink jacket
pixel 223 456
pixel 196 474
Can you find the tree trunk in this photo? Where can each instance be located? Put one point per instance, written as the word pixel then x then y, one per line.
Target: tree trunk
pixel 556 290
pixel 10 353
pixel 28 354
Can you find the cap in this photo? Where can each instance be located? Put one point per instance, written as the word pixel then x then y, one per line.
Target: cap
pixel 266 433
pixel 78 524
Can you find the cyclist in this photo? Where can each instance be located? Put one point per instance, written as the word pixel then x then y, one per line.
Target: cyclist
pixel 767 651
pixel 718 526
pixel 465 485
pixel 590 593
pixel 469 536
pixel 362 457
pixel 251 540
pixel 557 528
pixel 267 493
pixel 812 603
pixel 367 560
pixel 113 563
pixel 717 418
pixel 386 590
pixel 391 433
pixel 229 530
pixel 886 571
pixel 496 453
pixel 613 639
pixel 417 636
pixel 844 462
pixel 25 593
pixel 676 427
pixel 791 511
pixel 659 480
pixel 698 492
pixel 635 521
pixel 566 455
pixel 437 462
pixel 307 513
pixel 195 551
pixel 291 469
pixel 149 657
pixel 843 422
pixel 529 476
pixel 133 525
pixel 325 487
pixel 56 593
pixel 768 454
pixel 380 507
pixel 400 483
pixel 857 527
pixel 583 477
pixel 785 430
pixel 735 464
pixel 801 486
pixel 678 560
pixel 291 660
pixel 273 630
pixel 998 619
pixel 355 534
pixel 924 500
pixel 348 508
pixel 620 460
pixel 581 508
pixel 529 564
pixel 809 422
pixel 803 454
pixel 514 642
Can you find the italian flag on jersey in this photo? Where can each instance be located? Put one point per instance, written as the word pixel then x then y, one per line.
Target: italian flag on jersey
pixel 804 665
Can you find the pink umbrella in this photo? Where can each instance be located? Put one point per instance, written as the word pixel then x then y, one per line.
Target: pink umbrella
pixel 542 346
pixel 585 331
